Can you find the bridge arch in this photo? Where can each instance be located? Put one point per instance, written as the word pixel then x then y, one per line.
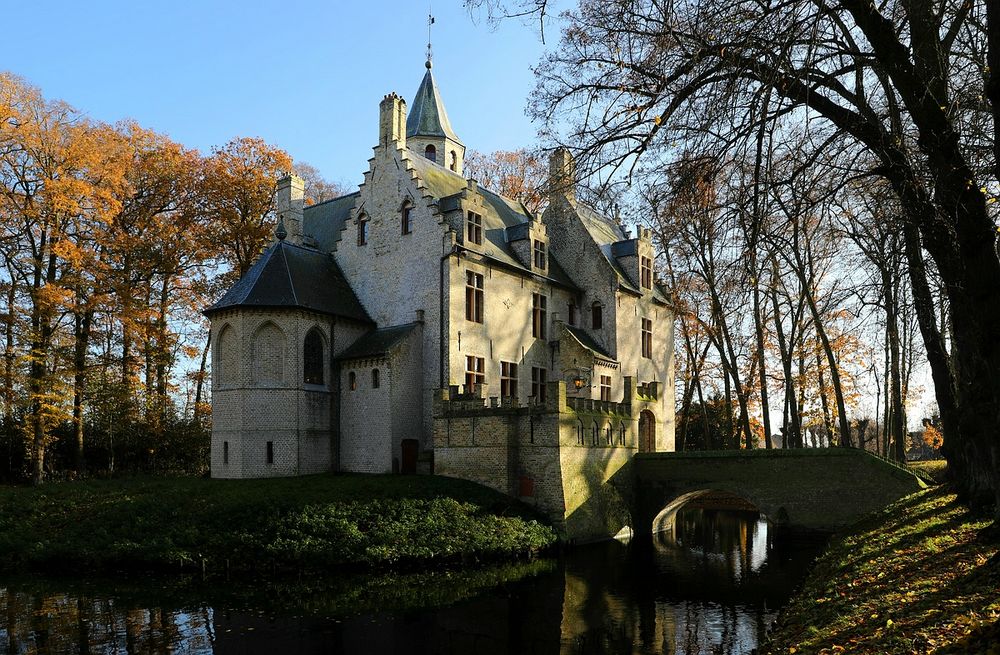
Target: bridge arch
pixel 664 521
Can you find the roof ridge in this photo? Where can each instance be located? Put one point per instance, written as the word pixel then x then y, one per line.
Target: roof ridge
pixel 288 273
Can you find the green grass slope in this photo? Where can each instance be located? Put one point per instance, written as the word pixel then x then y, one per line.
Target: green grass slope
pixel 918 577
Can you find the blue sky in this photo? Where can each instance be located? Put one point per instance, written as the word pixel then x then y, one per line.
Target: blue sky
pixel 305 76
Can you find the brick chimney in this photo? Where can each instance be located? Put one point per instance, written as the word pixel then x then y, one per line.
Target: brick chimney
pixel 392 121
pixel 562 175
pixel 289 201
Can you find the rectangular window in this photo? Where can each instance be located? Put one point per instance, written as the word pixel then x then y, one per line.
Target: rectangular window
pixel 508 379
pixel 540 255
pixel 270 452
pixel 595 315
pixel 606 387
pixel 572 313
pixel 407 219
pixel 474 372
pixel 363 230
pixel 375 378
pixel 474 233
pixel 646 272
pixel 647 338
pixel 538 304
pixel 538 376
pixel 473 297
pixel 225 452
pixel 352 380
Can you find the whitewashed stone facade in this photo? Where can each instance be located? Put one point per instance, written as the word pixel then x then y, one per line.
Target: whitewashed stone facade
pixel 419 284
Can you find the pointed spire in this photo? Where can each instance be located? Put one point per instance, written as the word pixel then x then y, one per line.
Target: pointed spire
pixel 427 114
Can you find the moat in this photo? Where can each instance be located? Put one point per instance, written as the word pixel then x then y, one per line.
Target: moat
pixel 713 586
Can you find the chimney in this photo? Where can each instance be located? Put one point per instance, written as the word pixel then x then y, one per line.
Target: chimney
pixel 392 121
pixel 289 201
pixel 562 175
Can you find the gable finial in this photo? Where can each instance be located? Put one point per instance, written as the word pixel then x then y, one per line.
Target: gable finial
pixel 430 52
pixel 280 232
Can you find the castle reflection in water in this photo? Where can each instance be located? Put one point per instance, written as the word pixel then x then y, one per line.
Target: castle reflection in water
pixel 712 585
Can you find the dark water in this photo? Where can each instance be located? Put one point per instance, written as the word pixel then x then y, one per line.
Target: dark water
pixel 713 586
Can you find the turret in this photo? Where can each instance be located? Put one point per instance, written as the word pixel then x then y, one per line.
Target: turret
pixel 429 130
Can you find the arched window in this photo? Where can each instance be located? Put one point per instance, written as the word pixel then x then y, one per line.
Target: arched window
pixel 406 218
pixel 362 230
pixel 454 161
pixel 607 435
pixel 579 433
pixel 227 358
pixel 430 152
pixel 594 432
pixel 312 358
pixel 596 314
pixel 621 434
pixel 375 380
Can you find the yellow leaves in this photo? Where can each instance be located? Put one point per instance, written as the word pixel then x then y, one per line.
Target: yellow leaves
pixel 658 120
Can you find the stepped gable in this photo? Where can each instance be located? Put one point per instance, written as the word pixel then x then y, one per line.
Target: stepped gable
pixel 613 243
pixel 501 217
pixel 289 276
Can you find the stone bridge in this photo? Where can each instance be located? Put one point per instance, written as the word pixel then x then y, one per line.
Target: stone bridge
pixel 812 488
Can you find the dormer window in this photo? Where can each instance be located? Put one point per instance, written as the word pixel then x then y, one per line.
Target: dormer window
pixel 430 152
pixel 646 272
pixel 363 230
pixel 474 231
pixel 540 255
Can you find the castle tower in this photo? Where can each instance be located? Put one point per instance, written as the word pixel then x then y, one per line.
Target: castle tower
pixel 428 130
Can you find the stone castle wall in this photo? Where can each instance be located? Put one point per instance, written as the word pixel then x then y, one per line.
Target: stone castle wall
pixel 535 452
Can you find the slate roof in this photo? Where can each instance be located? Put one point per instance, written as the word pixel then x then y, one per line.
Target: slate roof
pixel 324 221
pixel 378 342
pixel 588 342
pixel 292 276
pixel 611 239
pixel 427 114
pixel 500 216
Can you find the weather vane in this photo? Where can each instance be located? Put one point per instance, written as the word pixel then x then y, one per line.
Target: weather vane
pixel 430 21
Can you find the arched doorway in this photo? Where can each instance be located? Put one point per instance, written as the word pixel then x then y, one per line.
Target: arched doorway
pixel 647 432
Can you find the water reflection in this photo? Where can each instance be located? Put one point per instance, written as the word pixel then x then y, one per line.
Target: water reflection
pixel 711 585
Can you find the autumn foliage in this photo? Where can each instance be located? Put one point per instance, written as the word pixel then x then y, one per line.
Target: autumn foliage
pixel 112 240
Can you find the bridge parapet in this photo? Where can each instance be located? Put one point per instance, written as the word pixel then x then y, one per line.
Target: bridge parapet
pixel 813 488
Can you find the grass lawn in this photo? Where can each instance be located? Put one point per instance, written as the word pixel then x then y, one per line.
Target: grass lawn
pixel 917 577
pixel 311 522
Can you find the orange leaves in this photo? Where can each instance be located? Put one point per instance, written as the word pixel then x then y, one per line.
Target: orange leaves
pixel 517 174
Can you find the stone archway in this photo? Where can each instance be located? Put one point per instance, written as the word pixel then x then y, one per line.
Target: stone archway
pixel 647 432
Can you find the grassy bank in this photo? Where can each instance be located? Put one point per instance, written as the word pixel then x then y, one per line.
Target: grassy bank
pixel 919 577
pixel 313 522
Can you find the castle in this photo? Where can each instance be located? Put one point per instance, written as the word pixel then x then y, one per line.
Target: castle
pixel 426 324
